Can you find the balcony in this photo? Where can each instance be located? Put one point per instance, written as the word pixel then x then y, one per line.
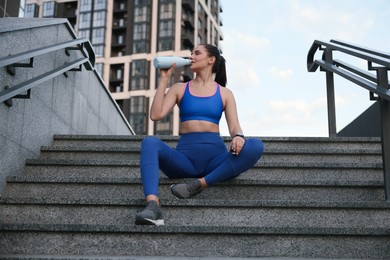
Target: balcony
pixel 188 5
pixel 188 21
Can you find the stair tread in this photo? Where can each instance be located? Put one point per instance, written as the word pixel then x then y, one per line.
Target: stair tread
pixel 264 138
pixel 303 151
pixel 113 162
pixel 199 202
pixel 185 229
pixel 165 180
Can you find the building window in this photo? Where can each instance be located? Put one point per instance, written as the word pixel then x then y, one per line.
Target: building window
pixel 164 126
pixel 116 77
pixel 166 28
pixel 116 72
pixel 141 31
pixel 167 11
pixel 141 27
pixel 98 36
pixel 142 2
pixel 165 44
pixel 140 46
pixel 99 5
pixel 84 34
pixel 166 25
pixel 119 74
pixel 48 9
pixel 138 114
pixel 199 40
pixel 99 19
pixel 99 50
pixel 141 14
pixel 99 68
pixel 85 5
pixel 85 20
pixel 31 11
pixel 120 39
pixel 139 75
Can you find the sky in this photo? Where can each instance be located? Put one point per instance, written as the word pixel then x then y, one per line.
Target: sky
pixel 265 44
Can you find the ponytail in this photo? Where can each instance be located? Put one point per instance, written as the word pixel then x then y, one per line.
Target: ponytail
pixel 219 67
pixel 220 76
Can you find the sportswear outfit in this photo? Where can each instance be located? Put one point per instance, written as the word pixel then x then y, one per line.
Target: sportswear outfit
pixel 197 154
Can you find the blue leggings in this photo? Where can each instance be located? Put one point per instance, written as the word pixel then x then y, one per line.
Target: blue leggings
pixel 196 155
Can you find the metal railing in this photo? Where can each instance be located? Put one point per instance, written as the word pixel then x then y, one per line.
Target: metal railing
pixel 377 84
pixel 13 61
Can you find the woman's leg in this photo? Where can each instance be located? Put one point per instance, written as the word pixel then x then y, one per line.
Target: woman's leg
pixel 234 165
pixel 224 167
pixel 156 155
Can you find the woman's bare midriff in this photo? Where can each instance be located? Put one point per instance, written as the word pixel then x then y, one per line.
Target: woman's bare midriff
pixel 198 126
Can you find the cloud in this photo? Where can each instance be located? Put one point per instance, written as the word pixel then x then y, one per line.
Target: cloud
pixel 313 20
pixel 266 50
pixel 281 74
pixel 294 112
pixel 237 41
pixel 241 61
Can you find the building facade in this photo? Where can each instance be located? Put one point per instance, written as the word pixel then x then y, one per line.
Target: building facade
pixel 12 8
pixel 128 34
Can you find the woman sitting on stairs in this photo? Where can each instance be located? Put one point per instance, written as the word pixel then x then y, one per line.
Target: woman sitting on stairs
pixel 201 152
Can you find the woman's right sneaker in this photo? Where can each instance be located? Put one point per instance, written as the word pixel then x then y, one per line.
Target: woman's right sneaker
pixel 187 190
pixel 151 215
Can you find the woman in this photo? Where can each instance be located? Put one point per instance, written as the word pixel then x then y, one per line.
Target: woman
pixel 200 152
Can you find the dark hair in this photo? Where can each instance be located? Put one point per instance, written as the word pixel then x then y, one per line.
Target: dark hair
pixel 219 67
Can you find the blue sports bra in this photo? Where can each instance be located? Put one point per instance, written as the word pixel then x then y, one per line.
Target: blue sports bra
pixel 201 108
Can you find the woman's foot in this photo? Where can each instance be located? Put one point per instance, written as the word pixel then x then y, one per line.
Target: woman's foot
pixel 187 190
pixel 151 215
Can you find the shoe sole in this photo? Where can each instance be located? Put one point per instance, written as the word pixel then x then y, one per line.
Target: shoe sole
pixel 146 221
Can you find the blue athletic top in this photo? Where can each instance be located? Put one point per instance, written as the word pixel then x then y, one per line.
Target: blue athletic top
pixel 201 108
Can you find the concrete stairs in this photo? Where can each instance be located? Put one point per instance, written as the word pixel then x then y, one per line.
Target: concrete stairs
pixel 305 198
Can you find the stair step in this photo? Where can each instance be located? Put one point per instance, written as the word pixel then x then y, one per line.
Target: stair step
pixel 282 143
pixel 264 171
pixel 278 170
pixel 196 241
pixel 306 197
pixel 224 213
pixel 269 156
pixel 126 257
pixel 80 152
pixel 85 187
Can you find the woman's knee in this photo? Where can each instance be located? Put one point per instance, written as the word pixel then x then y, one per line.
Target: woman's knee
pixel 255 147
pixel 150 141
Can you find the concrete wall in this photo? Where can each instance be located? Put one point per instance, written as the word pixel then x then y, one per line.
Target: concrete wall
pixel 368 124
pixel 76 104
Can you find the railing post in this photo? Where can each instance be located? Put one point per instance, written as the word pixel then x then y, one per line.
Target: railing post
pixel 384 106
pixel 330 94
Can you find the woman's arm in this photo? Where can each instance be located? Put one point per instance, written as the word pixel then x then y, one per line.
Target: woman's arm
pixel 233 123
pixel 163 103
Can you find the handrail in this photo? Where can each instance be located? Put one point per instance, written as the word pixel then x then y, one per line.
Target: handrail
pixel 376 84
pixel 22 87
pixel 356 47
pixel 385 94
pixel 82 44
pixel 356 52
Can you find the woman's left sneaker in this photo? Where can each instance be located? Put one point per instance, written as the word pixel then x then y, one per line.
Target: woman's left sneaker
pixel 151 215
